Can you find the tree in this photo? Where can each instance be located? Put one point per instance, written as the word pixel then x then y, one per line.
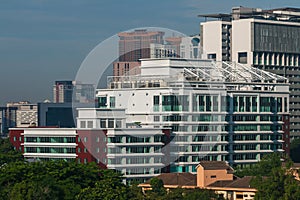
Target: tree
pixel 157 189
pixel 157 186
pixel 273 182
pixel 175 194
pixel 7 152
pixel 46 179
pixel 200 194
pixel 110 187
pixel 262 168
pixel 43 189
pixel 295 149
pixel 136 192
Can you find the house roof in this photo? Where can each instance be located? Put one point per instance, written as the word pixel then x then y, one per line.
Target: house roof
pixel 238 183
pixel 180 179
pixel 215 165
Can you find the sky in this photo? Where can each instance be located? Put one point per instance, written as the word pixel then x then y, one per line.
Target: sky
pixel 46 40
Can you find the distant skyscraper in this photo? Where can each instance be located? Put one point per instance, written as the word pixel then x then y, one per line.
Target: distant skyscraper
pixel 8 118
pixel 132 47
pixel 62 91
pixel 136 45
pixel 73 91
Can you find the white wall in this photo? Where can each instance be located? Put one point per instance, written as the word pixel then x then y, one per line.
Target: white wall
pixel 241 39
pixel 212 38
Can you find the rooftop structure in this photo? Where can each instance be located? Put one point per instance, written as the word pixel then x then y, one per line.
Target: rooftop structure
pixel 204 71
pixel 278 14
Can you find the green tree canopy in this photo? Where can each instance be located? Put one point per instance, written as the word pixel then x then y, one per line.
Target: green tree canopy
pixel 7 152
pixel 109 187
pixel 64 179
pixel 295 149
pixel 273 181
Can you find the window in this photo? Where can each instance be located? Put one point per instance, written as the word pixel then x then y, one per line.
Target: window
pixel 102 123
pixel 102 102
pixel 212 56
pixel 82 124
pixel 214 176
pixel 155 103
pixel 112 102
pixel 110 123
pixel 118 123
pixel 242 57
pixel 90 124
pixel 156 118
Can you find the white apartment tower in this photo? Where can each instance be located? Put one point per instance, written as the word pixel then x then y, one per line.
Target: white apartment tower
pixel 264 39
pixel 216 110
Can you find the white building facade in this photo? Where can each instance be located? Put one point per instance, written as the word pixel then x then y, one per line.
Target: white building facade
pixel 216 110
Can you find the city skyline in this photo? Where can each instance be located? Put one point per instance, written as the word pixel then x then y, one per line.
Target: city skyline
pixel 44 41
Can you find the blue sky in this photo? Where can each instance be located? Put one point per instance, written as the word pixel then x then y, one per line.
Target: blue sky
pixel 46 40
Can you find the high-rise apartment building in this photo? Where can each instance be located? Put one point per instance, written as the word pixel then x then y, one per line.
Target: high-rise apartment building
pixel 136 44
pixel 132 47
pixel 264 39
pixel 216 110
pixel 63 91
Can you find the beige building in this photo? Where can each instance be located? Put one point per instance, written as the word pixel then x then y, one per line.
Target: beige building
pixel 209 172
pixel 26 113
pixel 212 175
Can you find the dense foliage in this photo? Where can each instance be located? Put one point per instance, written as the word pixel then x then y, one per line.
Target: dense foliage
pixel 55 180
pixel 295 149
pixel 273 181
pixel 70 180
pixel 47 180
pixel 7 152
